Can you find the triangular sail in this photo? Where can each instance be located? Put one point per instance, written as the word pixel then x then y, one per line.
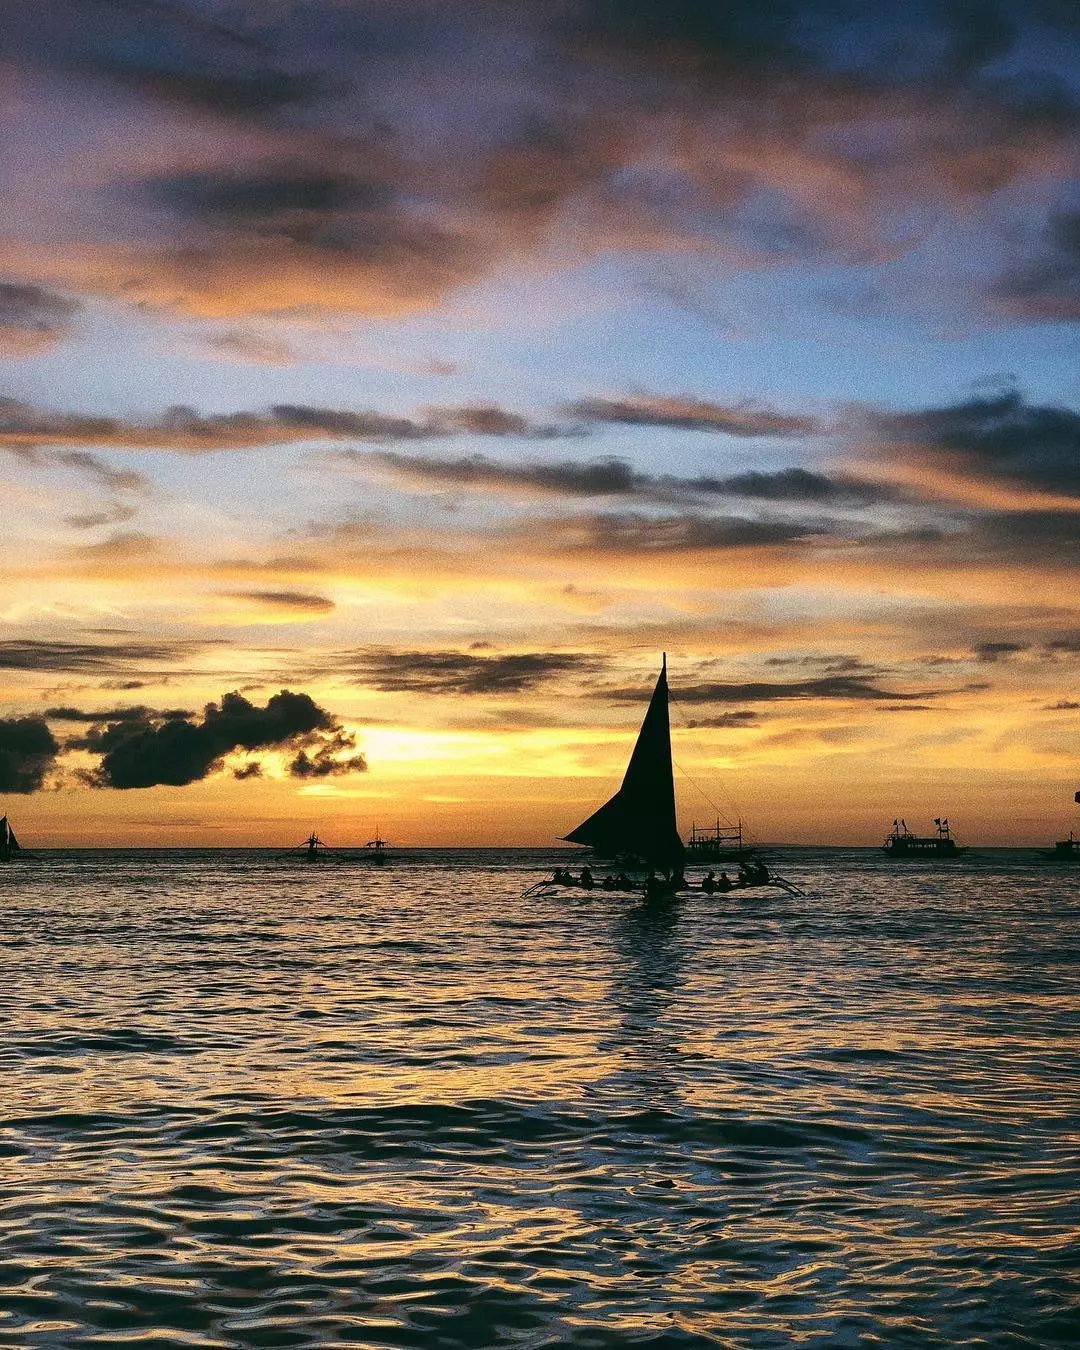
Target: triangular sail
pixel 8 843
pixel 640 818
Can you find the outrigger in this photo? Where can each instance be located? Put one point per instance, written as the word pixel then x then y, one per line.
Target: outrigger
pixel 378 847
pixel 311 850
pixel 639 823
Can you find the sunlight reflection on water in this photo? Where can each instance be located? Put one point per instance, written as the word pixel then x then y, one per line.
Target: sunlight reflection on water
pixel 250 1103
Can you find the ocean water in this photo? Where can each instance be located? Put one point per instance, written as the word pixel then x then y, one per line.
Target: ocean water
pixel 252 1102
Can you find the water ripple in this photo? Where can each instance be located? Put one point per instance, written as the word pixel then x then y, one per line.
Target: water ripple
pixel 247 1104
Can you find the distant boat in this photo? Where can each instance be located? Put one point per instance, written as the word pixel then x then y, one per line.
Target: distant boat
pixel 9 845
pixel 718 843
pixel 311 850
pixel 1064 850
pixel 901 843
pixel 378 847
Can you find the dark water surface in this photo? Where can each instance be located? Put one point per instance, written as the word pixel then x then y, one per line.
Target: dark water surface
pixel 247 1102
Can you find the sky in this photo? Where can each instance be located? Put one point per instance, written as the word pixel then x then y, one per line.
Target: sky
pixel 386 384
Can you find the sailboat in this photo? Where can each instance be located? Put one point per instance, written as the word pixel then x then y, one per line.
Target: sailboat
pixel 9 845
pixel 639 821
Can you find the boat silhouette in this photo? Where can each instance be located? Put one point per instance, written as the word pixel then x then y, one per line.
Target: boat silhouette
pixel 902 843
pixel 9 845
pixel 637 829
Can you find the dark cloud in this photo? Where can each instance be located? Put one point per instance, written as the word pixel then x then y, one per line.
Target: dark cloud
pixel 1048 287
pixel 998 437
pixel 1062 705
pixel 337 158
pixel 997 651
pixel 743 719
pixel 244 95
pixel 691 414
pixel 117 480
pixel 176 751
pixel 103 658
pixel 28 751
pixel 32 319
pixel 830 687
pixel 684 533
pixel 135 714
pixel 450 672
pixel 116 514
pixel 24 427
pixel 614 477
pixel 332 758
pixel 287 600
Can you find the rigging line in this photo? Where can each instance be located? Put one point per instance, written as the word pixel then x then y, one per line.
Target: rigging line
pixel 748 833
pixel 702 754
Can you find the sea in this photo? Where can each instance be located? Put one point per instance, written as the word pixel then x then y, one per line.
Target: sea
pixel 247 1101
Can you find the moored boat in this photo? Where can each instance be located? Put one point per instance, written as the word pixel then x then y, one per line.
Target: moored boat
pixel 1064 850
pixel 378 847
pixel 902 843
pixel 718 843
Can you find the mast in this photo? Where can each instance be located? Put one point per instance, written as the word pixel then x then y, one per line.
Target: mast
pixel 640 818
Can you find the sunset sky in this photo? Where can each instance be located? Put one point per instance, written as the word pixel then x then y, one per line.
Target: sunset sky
pixel 443 364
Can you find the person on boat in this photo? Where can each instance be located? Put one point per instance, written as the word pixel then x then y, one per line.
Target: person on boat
pixel 622 882
pixel 656 888
pixel 708 882
pixel 678 881
pixel 608 883
pixel 586 879
pixel 723 882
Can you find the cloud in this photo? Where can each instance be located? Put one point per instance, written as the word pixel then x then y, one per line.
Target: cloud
pixel 134 714
pixel 251 348
pixel 450 672
pixel 28 750
pixel 287 600
pixel 143 752
pixel 24 427
pixel 691 414
pixel 118 480
pixel 1002 437
pixel 758 691
pixel 1062 705
pixel 998 651
pixel 614 477
pixel 317 154
pixel 91 658
pixel 742 720
pixel 642 534
pixel 1047 288
pixel 32 319
pixel 116 514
